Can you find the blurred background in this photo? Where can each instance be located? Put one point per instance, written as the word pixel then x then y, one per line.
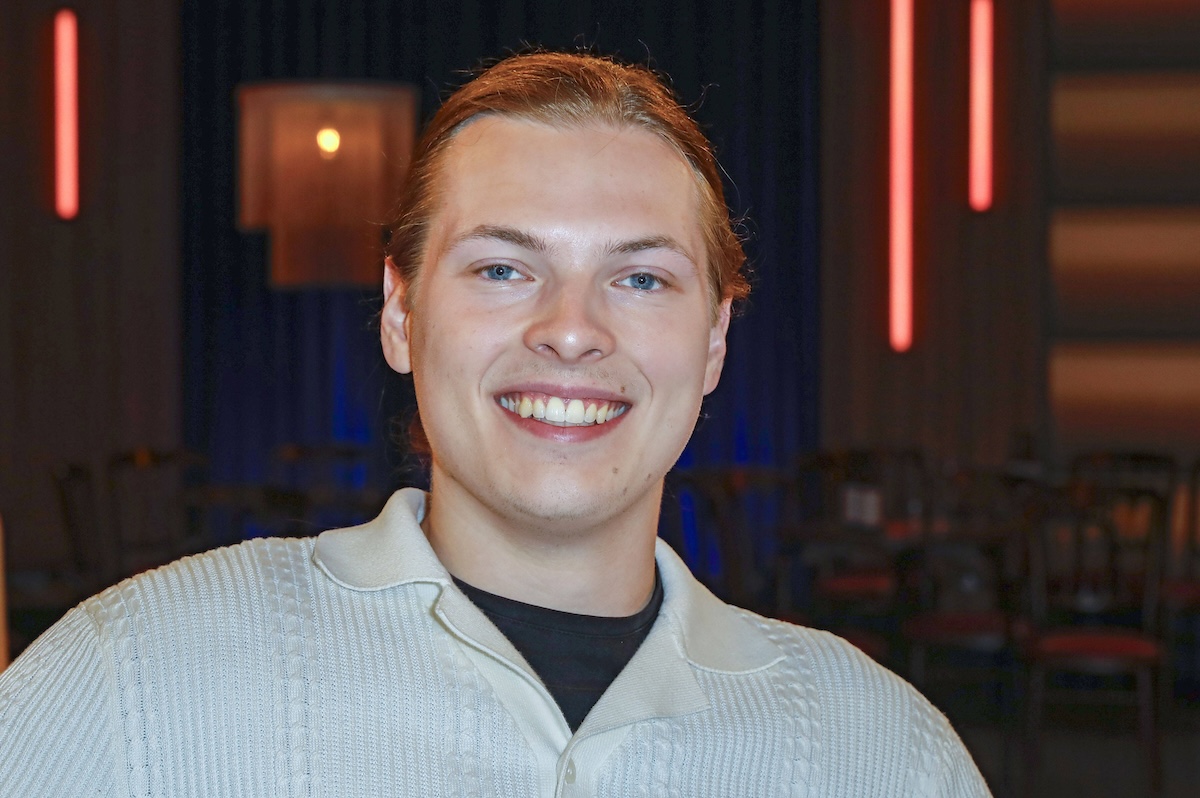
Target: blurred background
pixel 959 422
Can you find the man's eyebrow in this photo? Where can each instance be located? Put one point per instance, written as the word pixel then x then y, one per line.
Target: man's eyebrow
pixel 511 235
pixel 648 242
pixel 529 241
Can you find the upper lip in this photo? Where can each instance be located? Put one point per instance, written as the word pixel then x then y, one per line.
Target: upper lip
pixel 576 391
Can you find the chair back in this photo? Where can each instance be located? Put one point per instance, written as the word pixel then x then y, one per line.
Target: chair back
pixel 867 492
pixel 1099 556
pixel 1143 470
pixel 148 491
pixel 333 479
pixel 728 523
pixel 1189 559
pixel 5 652
pixel 973 557
pixel 90 553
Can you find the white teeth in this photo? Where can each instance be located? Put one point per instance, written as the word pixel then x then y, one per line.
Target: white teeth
pixel 562 412
pixel 555 409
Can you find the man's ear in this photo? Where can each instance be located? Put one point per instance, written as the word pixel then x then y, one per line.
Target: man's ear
pixel 716 347
pixel 393 322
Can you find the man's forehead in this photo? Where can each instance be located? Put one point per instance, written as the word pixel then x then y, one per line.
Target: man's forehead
pixel 504 176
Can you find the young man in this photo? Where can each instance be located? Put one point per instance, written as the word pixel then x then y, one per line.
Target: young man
pixel 559 285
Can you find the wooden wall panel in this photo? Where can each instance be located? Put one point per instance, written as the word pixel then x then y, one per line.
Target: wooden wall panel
pixel 1122 395
pixel 1126 137
pixel 1116 34
pixel 1125 243
pixel 1126 272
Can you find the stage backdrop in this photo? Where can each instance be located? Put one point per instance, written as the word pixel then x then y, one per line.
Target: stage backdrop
pixel 263 368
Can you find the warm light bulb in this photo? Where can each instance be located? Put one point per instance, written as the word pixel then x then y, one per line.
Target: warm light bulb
pixel 328 140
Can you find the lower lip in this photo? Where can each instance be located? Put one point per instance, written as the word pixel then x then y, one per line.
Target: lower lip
pixel 557 434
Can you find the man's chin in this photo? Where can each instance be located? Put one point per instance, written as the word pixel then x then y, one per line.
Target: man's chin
pixel 564 509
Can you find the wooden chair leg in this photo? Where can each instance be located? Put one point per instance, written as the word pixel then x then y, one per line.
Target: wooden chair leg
pixel 918 655
pixel 1166 672
pixel 1147 727
pixel 1035 698
pixel 1010 722
pixel 4 641
pixel 784 565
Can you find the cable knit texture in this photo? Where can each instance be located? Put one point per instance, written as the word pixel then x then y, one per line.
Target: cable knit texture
pixel 256 671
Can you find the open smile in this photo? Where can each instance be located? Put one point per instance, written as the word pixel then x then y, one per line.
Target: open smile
pixel 562 411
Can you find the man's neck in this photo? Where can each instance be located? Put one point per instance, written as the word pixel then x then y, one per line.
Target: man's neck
pixel 604 569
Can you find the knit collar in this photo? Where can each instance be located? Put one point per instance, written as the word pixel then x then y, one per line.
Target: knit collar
pixel 391 550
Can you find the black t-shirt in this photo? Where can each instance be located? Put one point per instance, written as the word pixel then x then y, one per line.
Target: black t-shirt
pixel 577 656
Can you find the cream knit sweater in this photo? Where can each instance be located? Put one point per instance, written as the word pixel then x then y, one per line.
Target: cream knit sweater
pixel 352 666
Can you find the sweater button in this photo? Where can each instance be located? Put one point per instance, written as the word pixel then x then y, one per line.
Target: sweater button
pixel 569 774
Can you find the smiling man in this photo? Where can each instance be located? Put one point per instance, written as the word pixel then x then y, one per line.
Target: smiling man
pixel 561 339
pixel 559 284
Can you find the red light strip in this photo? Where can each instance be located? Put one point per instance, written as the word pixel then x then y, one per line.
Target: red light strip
pixel 66 114
pixel 980 190
pixel 900 244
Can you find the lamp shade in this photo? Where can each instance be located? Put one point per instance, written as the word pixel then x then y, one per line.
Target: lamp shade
pixel 320 168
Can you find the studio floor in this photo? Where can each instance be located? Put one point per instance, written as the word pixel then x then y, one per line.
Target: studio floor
pixel 1088 752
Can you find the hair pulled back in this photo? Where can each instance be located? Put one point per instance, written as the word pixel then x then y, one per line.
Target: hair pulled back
pixel 567 90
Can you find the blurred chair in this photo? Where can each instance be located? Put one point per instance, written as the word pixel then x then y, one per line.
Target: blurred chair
pixel 962 595
pixel 862 507
pixel 156 508
pixel 736 514
pixel 962 587
pixel 92 555
pixel 1096 578
pixel 331 478
pixel 5 651
pixel 40 593
pixel 1181 591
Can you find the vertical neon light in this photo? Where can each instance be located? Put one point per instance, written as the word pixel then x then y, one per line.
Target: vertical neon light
pixel 980 190
pixel 66 114
pixel 900 243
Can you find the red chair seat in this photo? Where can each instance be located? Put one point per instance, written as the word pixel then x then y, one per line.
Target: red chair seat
pixel 968 629
pixel 858 585
pixel 1097 645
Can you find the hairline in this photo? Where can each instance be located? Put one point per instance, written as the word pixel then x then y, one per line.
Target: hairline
pixel 700 185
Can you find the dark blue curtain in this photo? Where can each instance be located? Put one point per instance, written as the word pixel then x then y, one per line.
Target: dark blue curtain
pixel 264 368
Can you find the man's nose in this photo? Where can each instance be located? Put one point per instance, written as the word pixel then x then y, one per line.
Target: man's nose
pixel 571 324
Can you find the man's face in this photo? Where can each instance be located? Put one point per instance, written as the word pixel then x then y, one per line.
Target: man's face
pixel 560 341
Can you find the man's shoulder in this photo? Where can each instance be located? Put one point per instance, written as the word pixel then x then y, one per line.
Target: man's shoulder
pixel 859 711
pixel 241 573
pixel 815 648
pixel 848 685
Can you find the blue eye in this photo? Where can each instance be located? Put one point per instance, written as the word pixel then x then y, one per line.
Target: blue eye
pixel 500 271
pixel 642 281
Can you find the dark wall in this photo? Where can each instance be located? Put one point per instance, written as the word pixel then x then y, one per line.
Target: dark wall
pixel 972 389
pixel 263 367
pixel 89 308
